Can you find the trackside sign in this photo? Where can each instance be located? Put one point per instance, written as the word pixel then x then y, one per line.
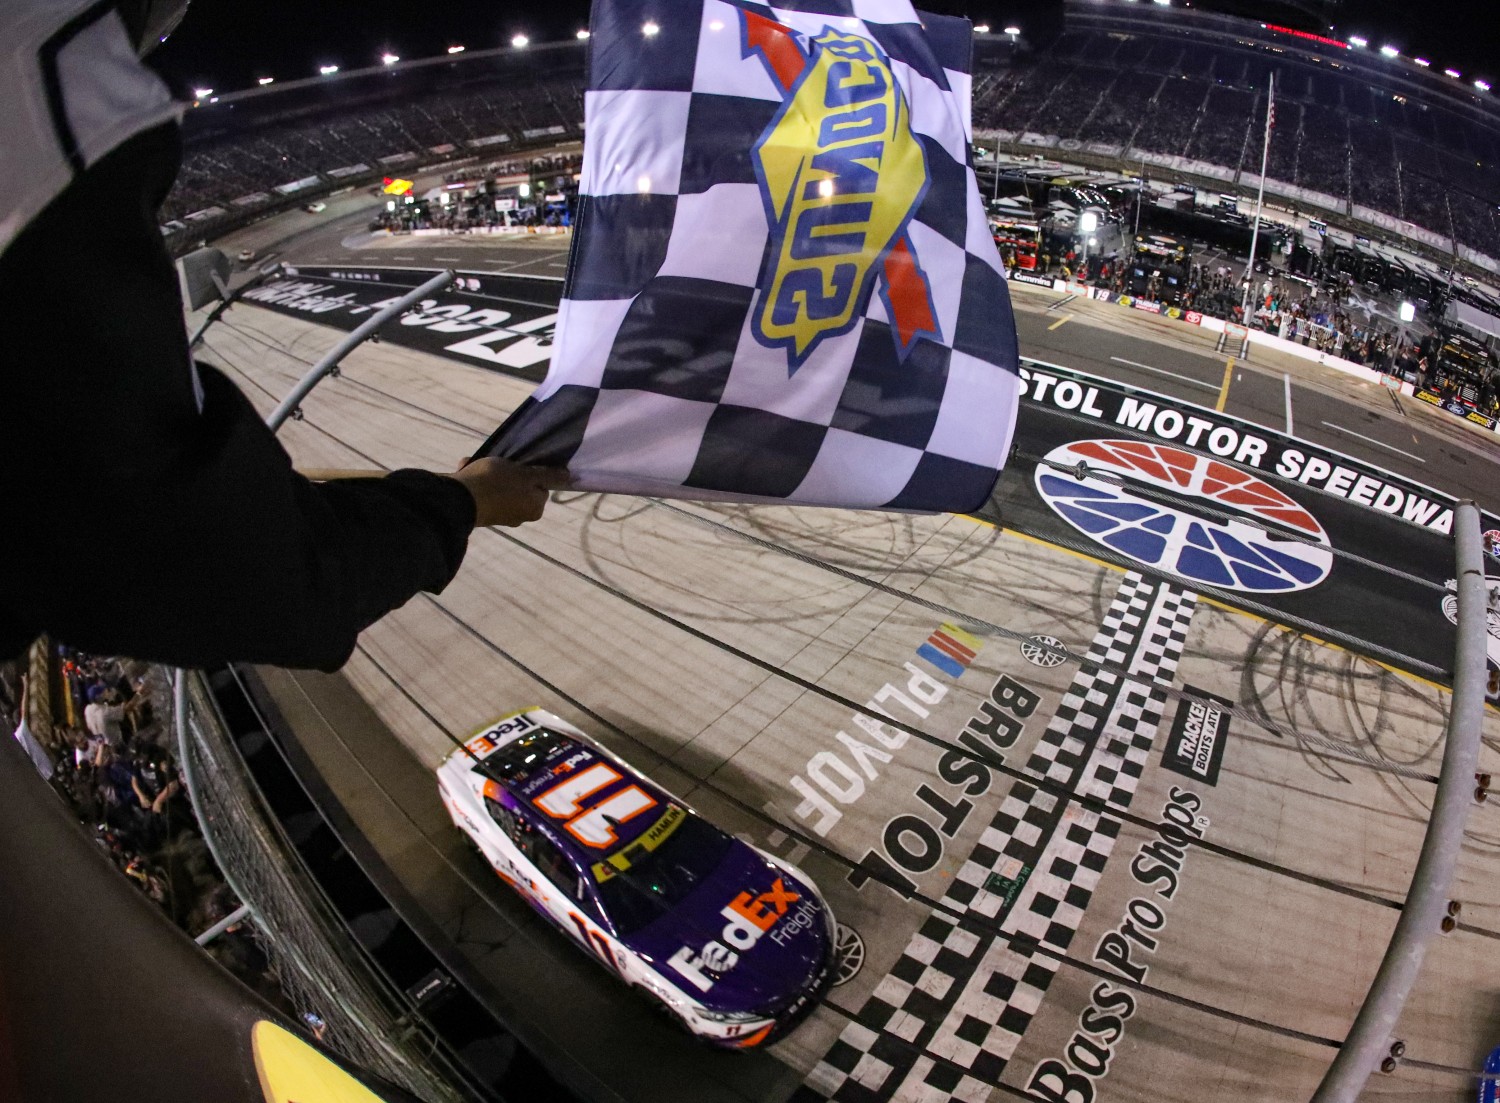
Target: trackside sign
pixel 1236 442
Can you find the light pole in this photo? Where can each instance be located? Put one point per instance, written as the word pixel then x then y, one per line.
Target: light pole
pixel 1088 222
pixel 1406 314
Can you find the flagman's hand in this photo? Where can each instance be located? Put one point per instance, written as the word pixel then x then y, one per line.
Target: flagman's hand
pixel 508 493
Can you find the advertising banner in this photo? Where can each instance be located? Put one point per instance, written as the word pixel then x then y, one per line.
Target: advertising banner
pixel 1020 276
pixel 503 323
pixel 1456 407
pixel 1195 745
pixel 1165 485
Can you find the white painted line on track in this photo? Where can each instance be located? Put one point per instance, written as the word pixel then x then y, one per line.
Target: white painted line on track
pixel 1371 440
pixel 1286 380
pixel 1163 371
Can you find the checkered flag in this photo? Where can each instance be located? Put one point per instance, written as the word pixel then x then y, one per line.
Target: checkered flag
pixel 783 286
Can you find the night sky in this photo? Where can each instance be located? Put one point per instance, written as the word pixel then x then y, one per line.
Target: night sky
pixel 227 44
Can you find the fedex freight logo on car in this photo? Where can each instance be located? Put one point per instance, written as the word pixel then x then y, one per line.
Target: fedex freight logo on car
pixel 750 918
pixel 1116 503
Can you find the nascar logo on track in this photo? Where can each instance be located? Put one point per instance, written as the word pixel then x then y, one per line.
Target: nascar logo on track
pixel 1228 554
pixel 841 174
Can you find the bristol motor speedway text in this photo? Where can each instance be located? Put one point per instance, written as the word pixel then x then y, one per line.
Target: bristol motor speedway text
pixel 1231 440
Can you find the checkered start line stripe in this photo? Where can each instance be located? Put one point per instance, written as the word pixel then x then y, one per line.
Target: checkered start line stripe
pixel 965 995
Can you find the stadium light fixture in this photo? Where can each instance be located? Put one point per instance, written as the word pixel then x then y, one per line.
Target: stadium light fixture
pixel 1012 31
pixel 1389 51
pixel 1482 85
pixel 1088 221
pixel 520 41
pixel 1422 61
pixel 389 59
pixel 328 70
pixel 1355 40
pixel 650 28
pixel 523 189
pixel 1163 3
pixel 1408 312
pixel 202 93
pixel 455 49
pixel 266 80
pixel 1454 73
pixel 582 35
pixel 982 28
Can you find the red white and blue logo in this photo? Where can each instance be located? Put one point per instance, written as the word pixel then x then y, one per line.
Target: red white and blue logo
pixel 1229 554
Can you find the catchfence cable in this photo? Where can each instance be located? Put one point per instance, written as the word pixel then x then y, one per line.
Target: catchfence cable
pixel 1094 804
pixel 989 627
pixel 1331 747
pixel 813 843
pixel 1019 941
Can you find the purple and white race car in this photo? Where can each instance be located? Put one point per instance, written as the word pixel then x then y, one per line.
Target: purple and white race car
pixel 736 944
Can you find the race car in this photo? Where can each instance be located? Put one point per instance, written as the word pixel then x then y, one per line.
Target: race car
pixel 735 944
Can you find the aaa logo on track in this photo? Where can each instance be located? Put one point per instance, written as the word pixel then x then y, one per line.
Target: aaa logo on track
pixel 1133 520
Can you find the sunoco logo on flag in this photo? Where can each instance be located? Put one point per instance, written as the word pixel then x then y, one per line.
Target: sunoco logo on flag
pixel 783 287
pixel 841 175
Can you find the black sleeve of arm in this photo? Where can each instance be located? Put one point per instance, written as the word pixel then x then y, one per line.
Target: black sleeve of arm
pixel 146 527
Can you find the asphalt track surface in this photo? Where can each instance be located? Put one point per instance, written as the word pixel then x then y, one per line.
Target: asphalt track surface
pixel 1210 935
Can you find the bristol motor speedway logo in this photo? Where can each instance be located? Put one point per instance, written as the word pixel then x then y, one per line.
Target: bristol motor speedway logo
pixel 1229 554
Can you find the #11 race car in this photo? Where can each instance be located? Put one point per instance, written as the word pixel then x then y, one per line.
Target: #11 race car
pixel 734 943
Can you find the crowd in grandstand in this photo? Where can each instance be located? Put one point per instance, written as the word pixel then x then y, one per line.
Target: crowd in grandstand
pixel 1166 93
pixel 1318 313
pixel 110 756
pixel 1336 133
pixel 236 168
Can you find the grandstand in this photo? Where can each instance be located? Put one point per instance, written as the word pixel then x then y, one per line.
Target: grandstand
pixel 269 148
pixel 1374 140
pixel 1365 139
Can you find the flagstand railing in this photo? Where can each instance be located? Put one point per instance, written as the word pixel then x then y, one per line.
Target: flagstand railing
pixel 226 302
pixel 1371 1039
pixel 331 360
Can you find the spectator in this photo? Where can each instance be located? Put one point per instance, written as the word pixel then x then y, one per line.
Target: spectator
pixel 103 716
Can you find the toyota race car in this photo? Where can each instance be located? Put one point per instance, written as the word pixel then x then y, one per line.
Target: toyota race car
pixel 734 943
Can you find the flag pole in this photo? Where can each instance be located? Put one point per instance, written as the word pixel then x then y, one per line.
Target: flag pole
pixel 1260 199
